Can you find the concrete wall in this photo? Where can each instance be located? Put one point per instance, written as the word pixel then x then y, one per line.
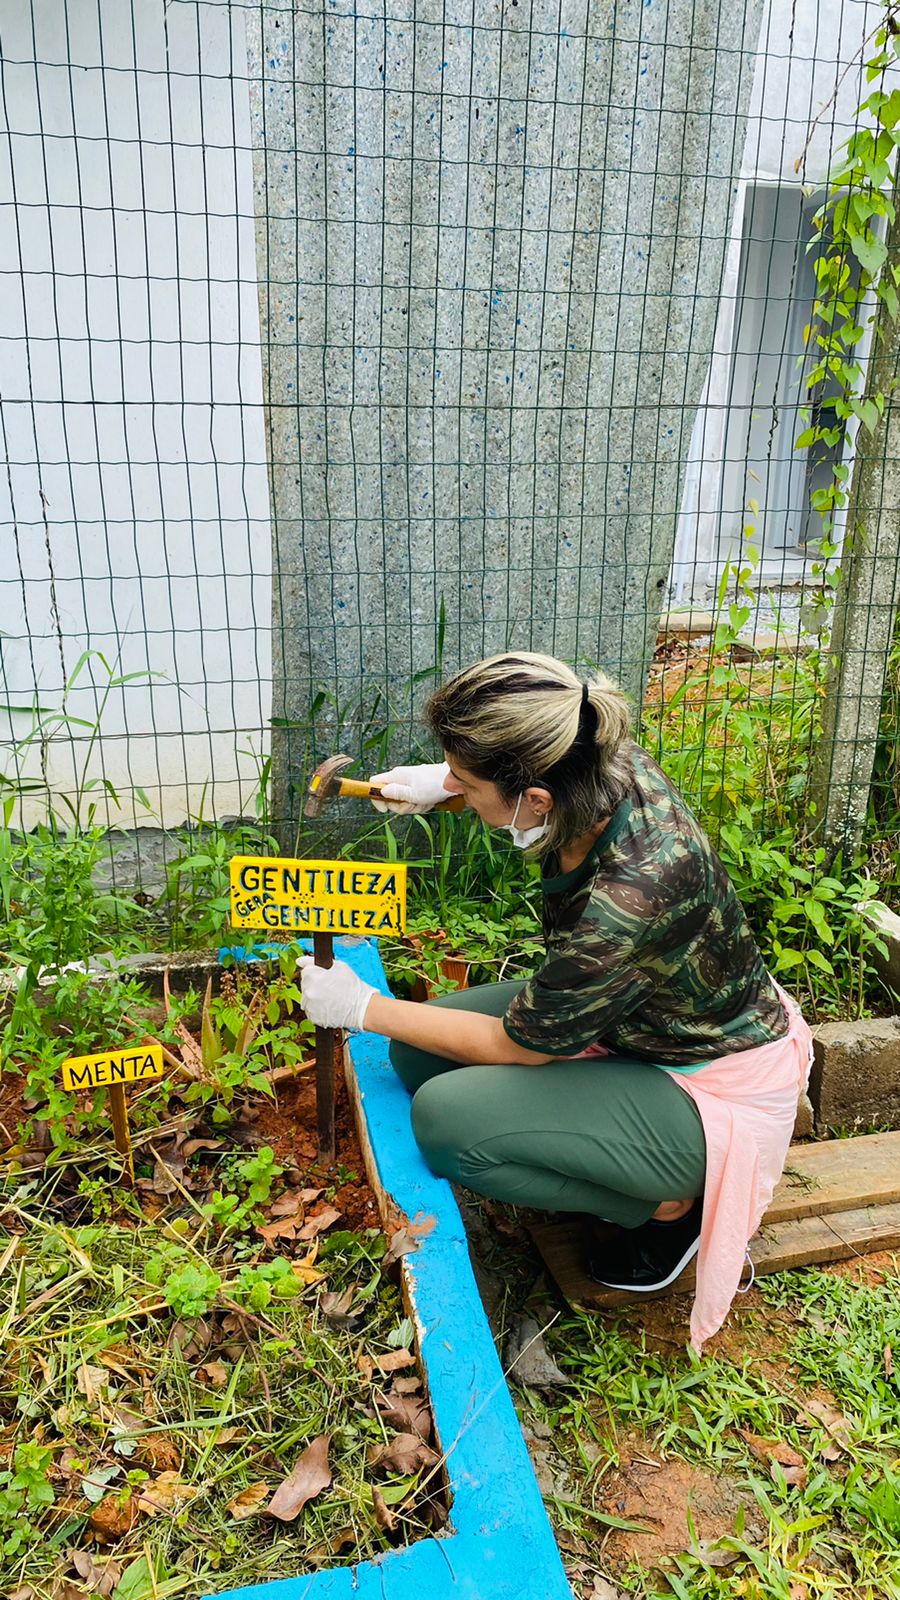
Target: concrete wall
pixel 494 308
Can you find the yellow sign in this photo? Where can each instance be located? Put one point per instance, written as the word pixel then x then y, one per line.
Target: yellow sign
pixel 356 897
pixel 113 1067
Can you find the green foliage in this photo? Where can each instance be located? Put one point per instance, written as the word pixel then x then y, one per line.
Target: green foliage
pixel 24 1488
pixel 248 1031
pixel 259 1284
pixel 189 1285
pixel 196 902
pixel 852 272
pixel 247 1185
pixel 808 923
pixel 494 944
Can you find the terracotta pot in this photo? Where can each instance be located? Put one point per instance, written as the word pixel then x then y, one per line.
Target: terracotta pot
pixel 453 967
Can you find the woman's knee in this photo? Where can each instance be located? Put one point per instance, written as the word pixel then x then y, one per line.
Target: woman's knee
pixel 436 1127
pixel 404 1060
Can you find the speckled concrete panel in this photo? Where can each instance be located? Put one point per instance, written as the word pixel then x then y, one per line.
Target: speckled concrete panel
pixel 493 237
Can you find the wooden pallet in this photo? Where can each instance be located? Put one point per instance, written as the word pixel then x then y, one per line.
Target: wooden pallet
pixel 836 1200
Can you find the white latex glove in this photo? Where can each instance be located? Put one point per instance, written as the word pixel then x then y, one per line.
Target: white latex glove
pixel 411 789
pixel 333 997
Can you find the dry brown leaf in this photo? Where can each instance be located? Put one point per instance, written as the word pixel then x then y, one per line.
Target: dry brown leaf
pixel 160 1452
pixel 24 1592
pixel 313 1226
pixel 888 1361
pixel 306 1272
pixel 366 1366
pixel 71 1461
pixel 285 1228
pixel 111 1521
pixel 407 1385
pixel 601 1590
pixel 192 1338
pixel 101 1577
pixel 165 1494
pixel 405 1454
pixel 91 1382
pixel 772 1449
pixel 65 1589
pixel 403 1242
pixel 215 1373
pixel 121 1359
pixel 836 1425
pixel 336 1308
pixel 321 1554
pixel 191 1146
pixel 408 1413
pixel 384 1516
pixel 249 1501
pixel 713 1554
pixel 394 1360
pixel 287 1205
pixel 795 1476
pixel 308 1477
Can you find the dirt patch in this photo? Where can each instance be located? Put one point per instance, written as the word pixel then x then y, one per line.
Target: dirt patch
pixel 667 1497
pixel 288 1125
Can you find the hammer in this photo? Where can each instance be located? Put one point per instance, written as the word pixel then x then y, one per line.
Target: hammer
pixel 326 784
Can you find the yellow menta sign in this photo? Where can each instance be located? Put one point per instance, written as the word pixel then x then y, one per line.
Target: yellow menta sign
pixel 104 1071
pixel 356 897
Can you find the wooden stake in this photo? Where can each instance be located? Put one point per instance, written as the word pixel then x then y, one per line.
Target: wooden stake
pixel 323 950
pixel 118 1110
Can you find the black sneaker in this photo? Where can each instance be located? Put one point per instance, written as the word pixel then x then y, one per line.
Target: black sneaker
pixel 650 1257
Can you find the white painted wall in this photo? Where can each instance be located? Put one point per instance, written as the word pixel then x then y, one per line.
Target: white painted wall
pixel 135 513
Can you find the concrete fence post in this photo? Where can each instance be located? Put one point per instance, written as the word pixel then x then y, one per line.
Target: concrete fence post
pixel 490 243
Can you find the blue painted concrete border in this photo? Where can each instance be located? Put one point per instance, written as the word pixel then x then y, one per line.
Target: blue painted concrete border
pixel 498 1543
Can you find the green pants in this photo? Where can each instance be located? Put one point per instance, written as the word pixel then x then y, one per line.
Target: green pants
pixel 610 1136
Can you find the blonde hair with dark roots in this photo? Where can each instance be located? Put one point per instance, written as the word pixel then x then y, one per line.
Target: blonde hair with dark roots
pixel 524 719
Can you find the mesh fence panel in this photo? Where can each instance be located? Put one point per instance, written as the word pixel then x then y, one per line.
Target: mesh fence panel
pixel 342 346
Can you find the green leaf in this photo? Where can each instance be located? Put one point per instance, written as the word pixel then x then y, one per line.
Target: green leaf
pixel 816 959
pixel 139 1581
pixel 870 252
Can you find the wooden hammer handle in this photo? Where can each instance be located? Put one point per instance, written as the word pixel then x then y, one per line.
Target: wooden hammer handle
pixel 356 787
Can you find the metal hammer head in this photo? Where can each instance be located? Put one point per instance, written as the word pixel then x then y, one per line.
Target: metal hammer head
pixel 325 784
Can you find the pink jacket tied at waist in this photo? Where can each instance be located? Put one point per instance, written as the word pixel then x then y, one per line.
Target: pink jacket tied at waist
pixel 747 1104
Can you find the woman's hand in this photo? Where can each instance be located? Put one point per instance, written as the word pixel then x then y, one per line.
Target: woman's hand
pixel 408 790
pixel 334 997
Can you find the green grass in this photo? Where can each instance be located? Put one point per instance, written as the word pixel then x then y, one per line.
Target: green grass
pixel 120 1381
pixel 816 1338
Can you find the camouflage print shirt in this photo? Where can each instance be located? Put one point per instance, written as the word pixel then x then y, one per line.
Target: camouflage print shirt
pixel 648 949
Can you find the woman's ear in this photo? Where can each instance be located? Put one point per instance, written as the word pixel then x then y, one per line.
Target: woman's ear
pixel 540 801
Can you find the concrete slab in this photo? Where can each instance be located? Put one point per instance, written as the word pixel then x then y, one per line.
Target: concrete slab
pixel 855 1078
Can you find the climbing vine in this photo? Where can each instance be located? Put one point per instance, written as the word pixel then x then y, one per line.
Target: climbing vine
pixel 857 283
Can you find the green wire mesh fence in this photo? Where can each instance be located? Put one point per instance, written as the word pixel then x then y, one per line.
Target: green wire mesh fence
pixel 341 345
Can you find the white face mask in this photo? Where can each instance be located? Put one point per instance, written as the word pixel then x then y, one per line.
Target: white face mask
pixel 523 837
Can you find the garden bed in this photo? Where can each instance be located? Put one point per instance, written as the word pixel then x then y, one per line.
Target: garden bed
pixel 210 1381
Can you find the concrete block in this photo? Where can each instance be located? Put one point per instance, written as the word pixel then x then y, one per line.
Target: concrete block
pixel 855 1079
pixel 805 1124
pixel 886 924
pixel 686 623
